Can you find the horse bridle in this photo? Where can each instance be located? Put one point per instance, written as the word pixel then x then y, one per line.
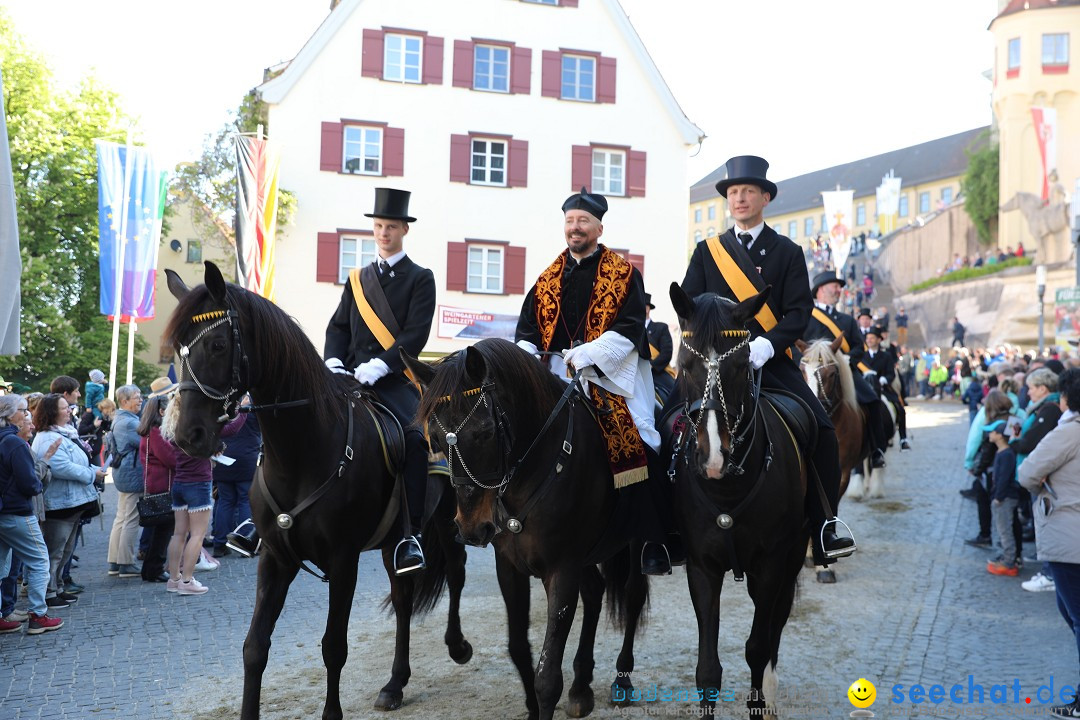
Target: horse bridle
pixel 230 398
pixel 504 440
pixel 823 398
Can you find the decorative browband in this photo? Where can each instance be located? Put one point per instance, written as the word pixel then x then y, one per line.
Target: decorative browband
pixel 723 333
pixel 208 316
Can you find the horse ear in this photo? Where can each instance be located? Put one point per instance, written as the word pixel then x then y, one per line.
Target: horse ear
pixel 745 311
pixel 684 306
pixel 419 369
pixel 801 346
pixel 475 367
pixel 215 283
pixel 176 286
pixel 837 343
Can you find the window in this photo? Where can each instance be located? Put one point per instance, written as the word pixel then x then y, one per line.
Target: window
pixel 710 232
pixel 924 202
pixel 194 251
pixel 1013 66
pixel 697 236
pixel 712 212
pixel 697 215
pixel 354 252
pixel 488 162
pixel 824 230
pixel 608 172
pixel 792 229
pixel 491 68
pixel 578 78
pixel 946 195
pixel 485 269
pixel 1055 51
pixel 902 206
pixel 362 150
pixel 808 227
pixel 401 62
pixel 860 214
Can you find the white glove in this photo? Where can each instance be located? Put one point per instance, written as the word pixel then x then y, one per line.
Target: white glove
pixel 335 366
pixel 371 372
pixel 578 357
pixel 883 381
pixel 761 351
pixel 528 347
pixel 869 374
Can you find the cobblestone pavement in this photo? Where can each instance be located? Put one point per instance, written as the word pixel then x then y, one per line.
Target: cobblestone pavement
pixel 913 606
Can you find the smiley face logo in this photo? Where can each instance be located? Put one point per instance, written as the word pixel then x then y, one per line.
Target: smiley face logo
pixel 862 693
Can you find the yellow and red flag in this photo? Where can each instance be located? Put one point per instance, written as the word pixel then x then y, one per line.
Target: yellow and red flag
pixel 257 164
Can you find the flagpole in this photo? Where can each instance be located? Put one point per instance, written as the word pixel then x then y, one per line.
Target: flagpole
pixel 131 348
pixel 118 289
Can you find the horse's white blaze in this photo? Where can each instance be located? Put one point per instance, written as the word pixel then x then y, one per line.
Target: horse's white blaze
pixel 715 465
pixel 769 685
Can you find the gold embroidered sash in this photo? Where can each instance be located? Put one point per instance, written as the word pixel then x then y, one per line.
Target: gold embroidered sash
pixel 626 451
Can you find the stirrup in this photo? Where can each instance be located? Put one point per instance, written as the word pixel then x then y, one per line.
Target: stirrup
pixel 842 552
pixel 422 565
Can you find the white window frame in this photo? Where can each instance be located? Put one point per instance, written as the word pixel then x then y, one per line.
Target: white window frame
pixel 697 236
pixel 605 181
pixel 485 255
pixel 697 215
pixel 808 226
pixel 712 212
pixel 493 64
pixel 398 44
pixel 1059 41
pixel 947 195
pixel 793 229
pixel 710 232
pixel 903 205
pixel 370 137
pixel 1009 57
pixel 355 251
pixel 488 156
pixel 576 72
pixel 860 214
pixel 925 195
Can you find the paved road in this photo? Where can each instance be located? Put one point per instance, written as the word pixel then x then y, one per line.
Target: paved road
pixel 913 606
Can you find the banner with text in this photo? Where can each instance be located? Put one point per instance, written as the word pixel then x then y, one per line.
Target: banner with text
pixel 1066 316
pixel 471 324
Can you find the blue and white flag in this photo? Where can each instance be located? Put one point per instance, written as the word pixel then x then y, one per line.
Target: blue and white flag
pixel 144 185
pixel 10 261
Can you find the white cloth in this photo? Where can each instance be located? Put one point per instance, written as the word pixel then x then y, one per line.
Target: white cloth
pixel 528 347
pixel 371 372
pixel 761 351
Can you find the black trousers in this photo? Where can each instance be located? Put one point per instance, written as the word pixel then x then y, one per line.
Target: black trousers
pixel 901 413
pixel 401 398
pixel 154 556
pixel 871 403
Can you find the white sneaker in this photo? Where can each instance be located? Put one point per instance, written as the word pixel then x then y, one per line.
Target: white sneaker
pixel 20 616
pixel 1038 583
pixel 190 587
pixel 206 562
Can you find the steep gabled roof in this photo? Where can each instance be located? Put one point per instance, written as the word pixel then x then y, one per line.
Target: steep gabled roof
pixel 1016 6
pixel 275 90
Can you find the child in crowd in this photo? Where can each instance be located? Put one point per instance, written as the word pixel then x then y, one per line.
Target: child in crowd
pixel 1006 496
pixel 938 376
pixel 973 396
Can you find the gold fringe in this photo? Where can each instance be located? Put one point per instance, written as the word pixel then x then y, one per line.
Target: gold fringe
pixel 631 477
pixel 208 316
pixel 466 393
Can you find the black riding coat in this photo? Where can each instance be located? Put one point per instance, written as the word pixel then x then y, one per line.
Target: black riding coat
pixel 816 330
pixel 660 338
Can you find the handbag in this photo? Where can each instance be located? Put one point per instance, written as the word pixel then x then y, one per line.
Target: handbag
pixel 155 509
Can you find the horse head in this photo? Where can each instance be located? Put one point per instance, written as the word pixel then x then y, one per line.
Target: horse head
pixel 715 373
pixel 825 369
pixel 213 368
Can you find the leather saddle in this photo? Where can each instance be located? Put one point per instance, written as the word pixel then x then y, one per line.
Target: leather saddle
pixel 796 414
pixel 391 434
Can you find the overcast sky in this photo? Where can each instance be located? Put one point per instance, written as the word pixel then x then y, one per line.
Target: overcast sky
pixel 807 85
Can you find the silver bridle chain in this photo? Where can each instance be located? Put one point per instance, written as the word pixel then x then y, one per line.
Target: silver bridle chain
pixel 185 362
pixel 822 398
pixel 453 450
pixel 713 379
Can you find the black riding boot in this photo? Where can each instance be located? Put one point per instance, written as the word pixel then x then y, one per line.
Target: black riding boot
pixel 408 556
pixel 823 524
pixel 878 441
pixel 244 539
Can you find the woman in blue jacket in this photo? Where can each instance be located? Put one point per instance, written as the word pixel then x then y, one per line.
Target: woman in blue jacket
pixel 127 476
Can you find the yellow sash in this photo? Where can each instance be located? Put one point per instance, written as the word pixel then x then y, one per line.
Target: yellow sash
pixel 654 352
pixel 833 328
pixel 371 319
pixel 738 282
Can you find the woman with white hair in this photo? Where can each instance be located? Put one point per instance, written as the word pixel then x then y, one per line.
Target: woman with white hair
pixel 19 529
pixel 128 478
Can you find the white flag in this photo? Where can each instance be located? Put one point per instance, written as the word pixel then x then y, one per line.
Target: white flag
pixel 838 218
pixel 888 196
pixel 10 262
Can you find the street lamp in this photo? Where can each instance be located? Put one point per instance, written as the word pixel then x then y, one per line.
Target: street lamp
pixel 1040 286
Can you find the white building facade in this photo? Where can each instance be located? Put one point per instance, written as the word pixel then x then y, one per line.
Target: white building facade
pixel 491 115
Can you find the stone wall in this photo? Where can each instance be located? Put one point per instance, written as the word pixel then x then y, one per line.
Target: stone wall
pixel 917 253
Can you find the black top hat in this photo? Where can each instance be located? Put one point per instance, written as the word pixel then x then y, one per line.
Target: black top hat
pixel 592 203
pixel 747 170
pixel 875 330
pixel 824 278
pixel 648 301
pixel 866 312
pixel 392 204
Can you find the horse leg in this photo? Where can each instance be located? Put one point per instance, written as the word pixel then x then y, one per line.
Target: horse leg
pixel 857 487
pixel 335 642
pixel 401 597
pixel 562 587
pixel 459 648
pixel 773 593
pixel 515 591
pixel 637 590
pixel 271 588
pixel 581 700
pixel 876 483
pixel 705 587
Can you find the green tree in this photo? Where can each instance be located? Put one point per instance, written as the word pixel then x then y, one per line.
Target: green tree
pixel 980 187
pixel 51 133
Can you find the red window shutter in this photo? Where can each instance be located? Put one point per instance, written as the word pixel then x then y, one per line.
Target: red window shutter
pixel 605 85
pixel 393 151
pixel 433 60
pixel 518 172
pixel 581 168
pixel 635 174
pixel 568 3
pixel 326 258
pixel 521 71
pixel 330 153
pixel 459 158
pixel 637 261
pixel 457 266
pixel 551 74
pixel 463 63
pixel 514 271
pixel 372 64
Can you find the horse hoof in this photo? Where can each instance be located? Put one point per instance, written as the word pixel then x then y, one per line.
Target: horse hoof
pixel 462 654
pixel 621 693
pixel 827 577
pixel 581 704
pixel 388 700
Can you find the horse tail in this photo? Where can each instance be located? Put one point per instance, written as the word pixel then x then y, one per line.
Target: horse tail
pixel 431 582
pixel 617 571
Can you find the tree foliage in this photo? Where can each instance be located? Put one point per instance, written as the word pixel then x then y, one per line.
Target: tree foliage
pixel 980 186
pixel 51 133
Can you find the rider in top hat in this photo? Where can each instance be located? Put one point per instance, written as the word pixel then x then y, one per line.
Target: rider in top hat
pixel 756 248
pixel 660 348
pixel 565 311
pixel 402 296
pixel 882 365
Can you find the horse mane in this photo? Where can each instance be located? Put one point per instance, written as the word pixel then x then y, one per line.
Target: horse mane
pixel 820 352
pixel 514 372
pixel 712 317
pixel 267 331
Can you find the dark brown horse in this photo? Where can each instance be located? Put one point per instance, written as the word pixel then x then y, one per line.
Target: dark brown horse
pixel 740 487
pixel 531 473
pixel 324 470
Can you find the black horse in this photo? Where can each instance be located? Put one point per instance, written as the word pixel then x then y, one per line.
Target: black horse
pixel 527 457
pixel 740 487
pixel 328 493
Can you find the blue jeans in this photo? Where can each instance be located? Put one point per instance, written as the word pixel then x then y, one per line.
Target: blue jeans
pixel 1067 588
pixel 231 509
pixel 191 496
pixel 22 534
